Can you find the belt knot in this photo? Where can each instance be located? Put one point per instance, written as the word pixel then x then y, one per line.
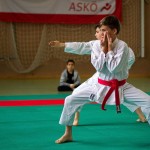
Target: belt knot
pixel 114 85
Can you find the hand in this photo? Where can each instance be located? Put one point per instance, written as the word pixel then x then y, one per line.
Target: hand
pixel 109 42
pixel 72 86
pixel 56 44
pixel 104 43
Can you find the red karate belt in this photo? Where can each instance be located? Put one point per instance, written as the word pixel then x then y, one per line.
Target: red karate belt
pixel 114 85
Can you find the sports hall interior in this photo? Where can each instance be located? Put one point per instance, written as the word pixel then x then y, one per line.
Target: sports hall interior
pixel 30 70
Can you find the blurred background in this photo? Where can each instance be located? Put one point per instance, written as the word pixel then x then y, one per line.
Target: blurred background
pixel 25 53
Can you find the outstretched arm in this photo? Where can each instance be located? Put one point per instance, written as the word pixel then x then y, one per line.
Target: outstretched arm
pixel 80 48
pixel 56 44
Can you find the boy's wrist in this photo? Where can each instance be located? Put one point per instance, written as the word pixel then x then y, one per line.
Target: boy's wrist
pixel 104 49
pixel 62 44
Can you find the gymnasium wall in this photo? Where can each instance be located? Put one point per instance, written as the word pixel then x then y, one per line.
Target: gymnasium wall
pixel 24 50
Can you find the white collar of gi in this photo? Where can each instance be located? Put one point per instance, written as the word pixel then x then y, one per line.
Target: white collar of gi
pixel 114 42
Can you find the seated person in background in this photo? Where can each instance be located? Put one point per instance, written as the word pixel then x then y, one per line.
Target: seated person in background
pixel 70 78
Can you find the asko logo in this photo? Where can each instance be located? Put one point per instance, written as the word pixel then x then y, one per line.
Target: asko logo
pixel 88 7
pixel 85 7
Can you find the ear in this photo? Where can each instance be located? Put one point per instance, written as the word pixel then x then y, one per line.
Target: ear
pixel 115 31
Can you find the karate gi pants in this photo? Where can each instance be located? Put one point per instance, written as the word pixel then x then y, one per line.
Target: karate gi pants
pixel 134 98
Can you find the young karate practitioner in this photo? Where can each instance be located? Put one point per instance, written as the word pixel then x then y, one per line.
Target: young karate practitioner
pixel 110 58
pixel 83 48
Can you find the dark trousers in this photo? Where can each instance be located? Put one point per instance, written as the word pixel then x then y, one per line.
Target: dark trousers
pixel 62 88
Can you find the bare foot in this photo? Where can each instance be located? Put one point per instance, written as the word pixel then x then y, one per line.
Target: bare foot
pixel 63 139
pixel 141 120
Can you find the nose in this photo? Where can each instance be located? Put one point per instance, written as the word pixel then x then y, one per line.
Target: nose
pixel 102 33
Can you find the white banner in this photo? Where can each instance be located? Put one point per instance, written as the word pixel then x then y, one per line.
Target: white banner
pixel 58 8
pixel 84 7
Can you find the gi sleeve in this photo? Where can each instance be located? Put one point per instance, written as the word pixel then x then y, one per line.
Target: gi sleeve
pixel 80 48
pixel 116 60
pixel 131 59
pixel 98 58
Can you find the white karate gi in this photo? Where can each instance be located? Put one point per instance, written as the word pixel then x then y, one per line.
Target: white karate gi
pixel 83 48
pixel 87 92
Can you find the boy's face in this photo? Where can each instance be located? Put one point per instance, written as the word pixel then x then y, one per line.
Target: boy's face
pixel 70 66
pixel 97 32
pixel 103 29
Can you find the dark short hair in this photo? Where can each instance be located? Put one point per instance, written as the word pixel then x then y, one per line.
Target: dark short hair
pixel 97 26
pixel 112 22
pixel 70 60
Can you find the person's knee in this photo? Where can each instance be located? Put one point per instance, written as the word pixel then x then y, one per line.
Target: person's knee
pixel 69 100
pixel 59 88
pixel 75 91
